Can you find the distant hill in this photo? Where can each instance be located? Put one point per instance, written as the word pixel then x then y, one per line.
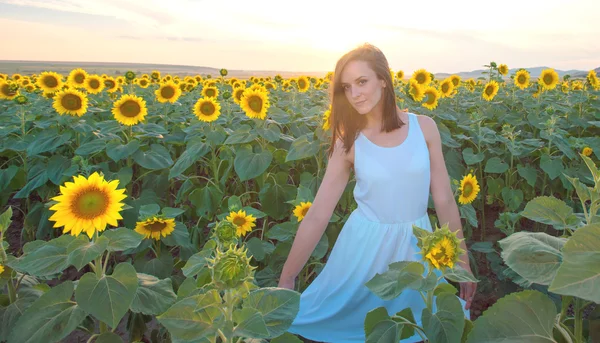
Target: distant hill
pixel 110 68
pixel 534 72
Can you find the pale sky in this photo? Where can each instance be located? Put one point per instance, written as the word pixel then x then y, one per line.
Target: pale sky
pixel 305 35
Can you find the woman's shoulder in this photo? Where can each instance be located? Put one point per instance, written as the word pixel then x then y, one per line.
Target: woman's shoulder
pixel 428 126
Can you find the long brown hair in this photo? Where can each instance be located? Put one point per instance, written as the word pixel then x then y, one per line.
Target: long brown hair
pixel 345 121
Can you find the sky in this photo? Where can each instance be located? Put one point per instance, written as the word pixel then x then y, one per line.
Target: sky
pixel 307 35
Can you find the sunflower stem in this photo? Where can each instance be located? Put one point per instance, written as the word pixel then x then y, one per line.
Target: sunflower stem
pixel 105 263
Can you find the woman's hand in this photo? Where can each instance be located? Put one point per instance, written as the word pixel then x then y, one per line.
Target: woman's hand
pixel 467 292
pixel 287 283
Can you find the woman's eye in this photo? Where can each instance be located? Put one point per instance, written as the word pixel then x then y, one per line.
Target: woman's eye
pixel 362 82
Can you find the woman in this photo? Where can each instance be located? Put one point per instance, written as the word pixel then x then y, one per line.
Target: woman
pixel 397 160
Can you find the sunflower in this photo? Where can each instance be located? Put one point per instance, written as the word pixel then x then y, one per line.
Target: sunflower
pixel 301 210
pixel 155 227
pixel 111 85
pixel 210 92
pixel 548 79
pixel 50 81
pixel 522 78
pixel 223 72
pixel 94 84
pixel 71 102
pixel 399 75
pixel 326 121
pixel 259 87
pixel 415 90
pixel 442 254
pixel 255 103
pixel 431 96
pixel 587 151
pixel 422 76
pixel 8 90
pixel 87 205
pixel 129 109
pixel 593 80
pixel 168 92
pixel 271 86
pixel 446 88
pixel 565 87
pixel 469 188
pixel 77 77
pixel 303 84
pixel 207 109
pixel 17 77
pixel 244 222
pixel 237 94
pixel 155 75
pixel 455 80
pixel 25 82
pixel 143 82
pixel 490 90
pixel 503 69
pixel 30 88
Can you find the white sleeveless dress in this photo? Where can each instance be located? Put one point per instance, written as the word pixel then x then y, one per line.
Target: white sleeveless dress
pixel 392 193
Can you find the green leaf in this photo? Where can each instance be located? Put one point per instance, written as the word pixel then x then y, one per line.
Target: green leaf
pixel 161 267
pixel 385 331
pixel 255 248
pixel 495 165
pixel 153 296
pixel 251 324
pixel 47 140
pixel 277 306
pixel 196 263
pixel 82 251
pixel 249 165
pixel 552 167
pixel 121 239
pixel 471 158
pixel 485 247
pixel 444 288
pixel 579 274
pixel 302 148
pixel 243 134
pixel 551 211
pixel 6 176
pixel 285 338
pixel 32 185
pixel 447 323
pixel 535 256
pixel 90 147
pixel 401 275
pixel 47 259
pixel 459 274
pixel 512 198
pixel 57 165
pixel 118 152
pixel 192 154
pixel 194 317
pixel 592 167
pixel 50 318
pixel 273 198
pixel 5 219
pixel 526 317
pixel 528 173
pixel 156 158
pixel 108 337
pixel 108 298
pixel 149 210
pixel 171 212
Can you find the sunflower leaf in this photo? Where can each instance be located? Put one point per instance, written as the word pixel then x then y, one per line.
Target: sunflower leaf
pixel 82 251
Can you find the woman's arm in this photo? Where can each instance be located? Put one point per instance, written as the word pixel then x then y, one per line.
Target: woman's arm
pixel 441 191
pixel 315 222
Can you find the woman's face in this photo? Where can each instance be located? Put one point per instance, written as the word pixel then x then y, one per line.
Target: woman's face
pixel 362 87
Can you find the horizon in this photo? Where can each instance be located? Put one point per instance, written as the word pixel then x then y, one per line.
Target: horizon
pixel 214 35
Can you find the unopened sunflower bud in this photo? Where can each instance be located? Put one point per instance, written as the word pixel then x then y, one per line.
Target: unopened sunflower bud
pixel 230 269
pixel 225 233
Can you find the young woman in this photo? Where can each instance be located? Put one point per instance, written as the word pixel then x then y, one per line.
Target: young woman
pixel 397 159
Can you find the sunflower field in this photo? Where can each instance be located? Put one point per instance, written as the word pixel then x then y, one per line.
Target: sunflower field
pixel 161 208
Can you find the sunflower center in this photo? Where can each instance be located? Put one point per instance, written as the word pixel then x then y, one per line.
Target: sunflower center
pixel 210 92
pixel 238 94
pixel 90 203
pixel 445 87
pixel 110 84
pixel 548 79
pixel 94 84
pixel 155 226
pixel 79 78
pixel 255 103
pixel 305 210
pixel 50 81
pixel 239 221
pixel 207 108
pixel 71 102
pixel 521 79
pixel 130 109
pixel 489 90
pixel 301 83
pixel 467 189
pixel 420 78
pixel 143 82
pixel 6 90
pixel 430 99
pixel 167 92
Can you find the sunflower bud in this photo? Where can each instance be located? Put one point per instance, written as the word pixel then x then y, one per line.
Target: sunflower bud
pixel 223 72
pixel 21 99
pixel 130 75
pixel 441 248
pixel 225 233
pixel 226 95
pixel 231 269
